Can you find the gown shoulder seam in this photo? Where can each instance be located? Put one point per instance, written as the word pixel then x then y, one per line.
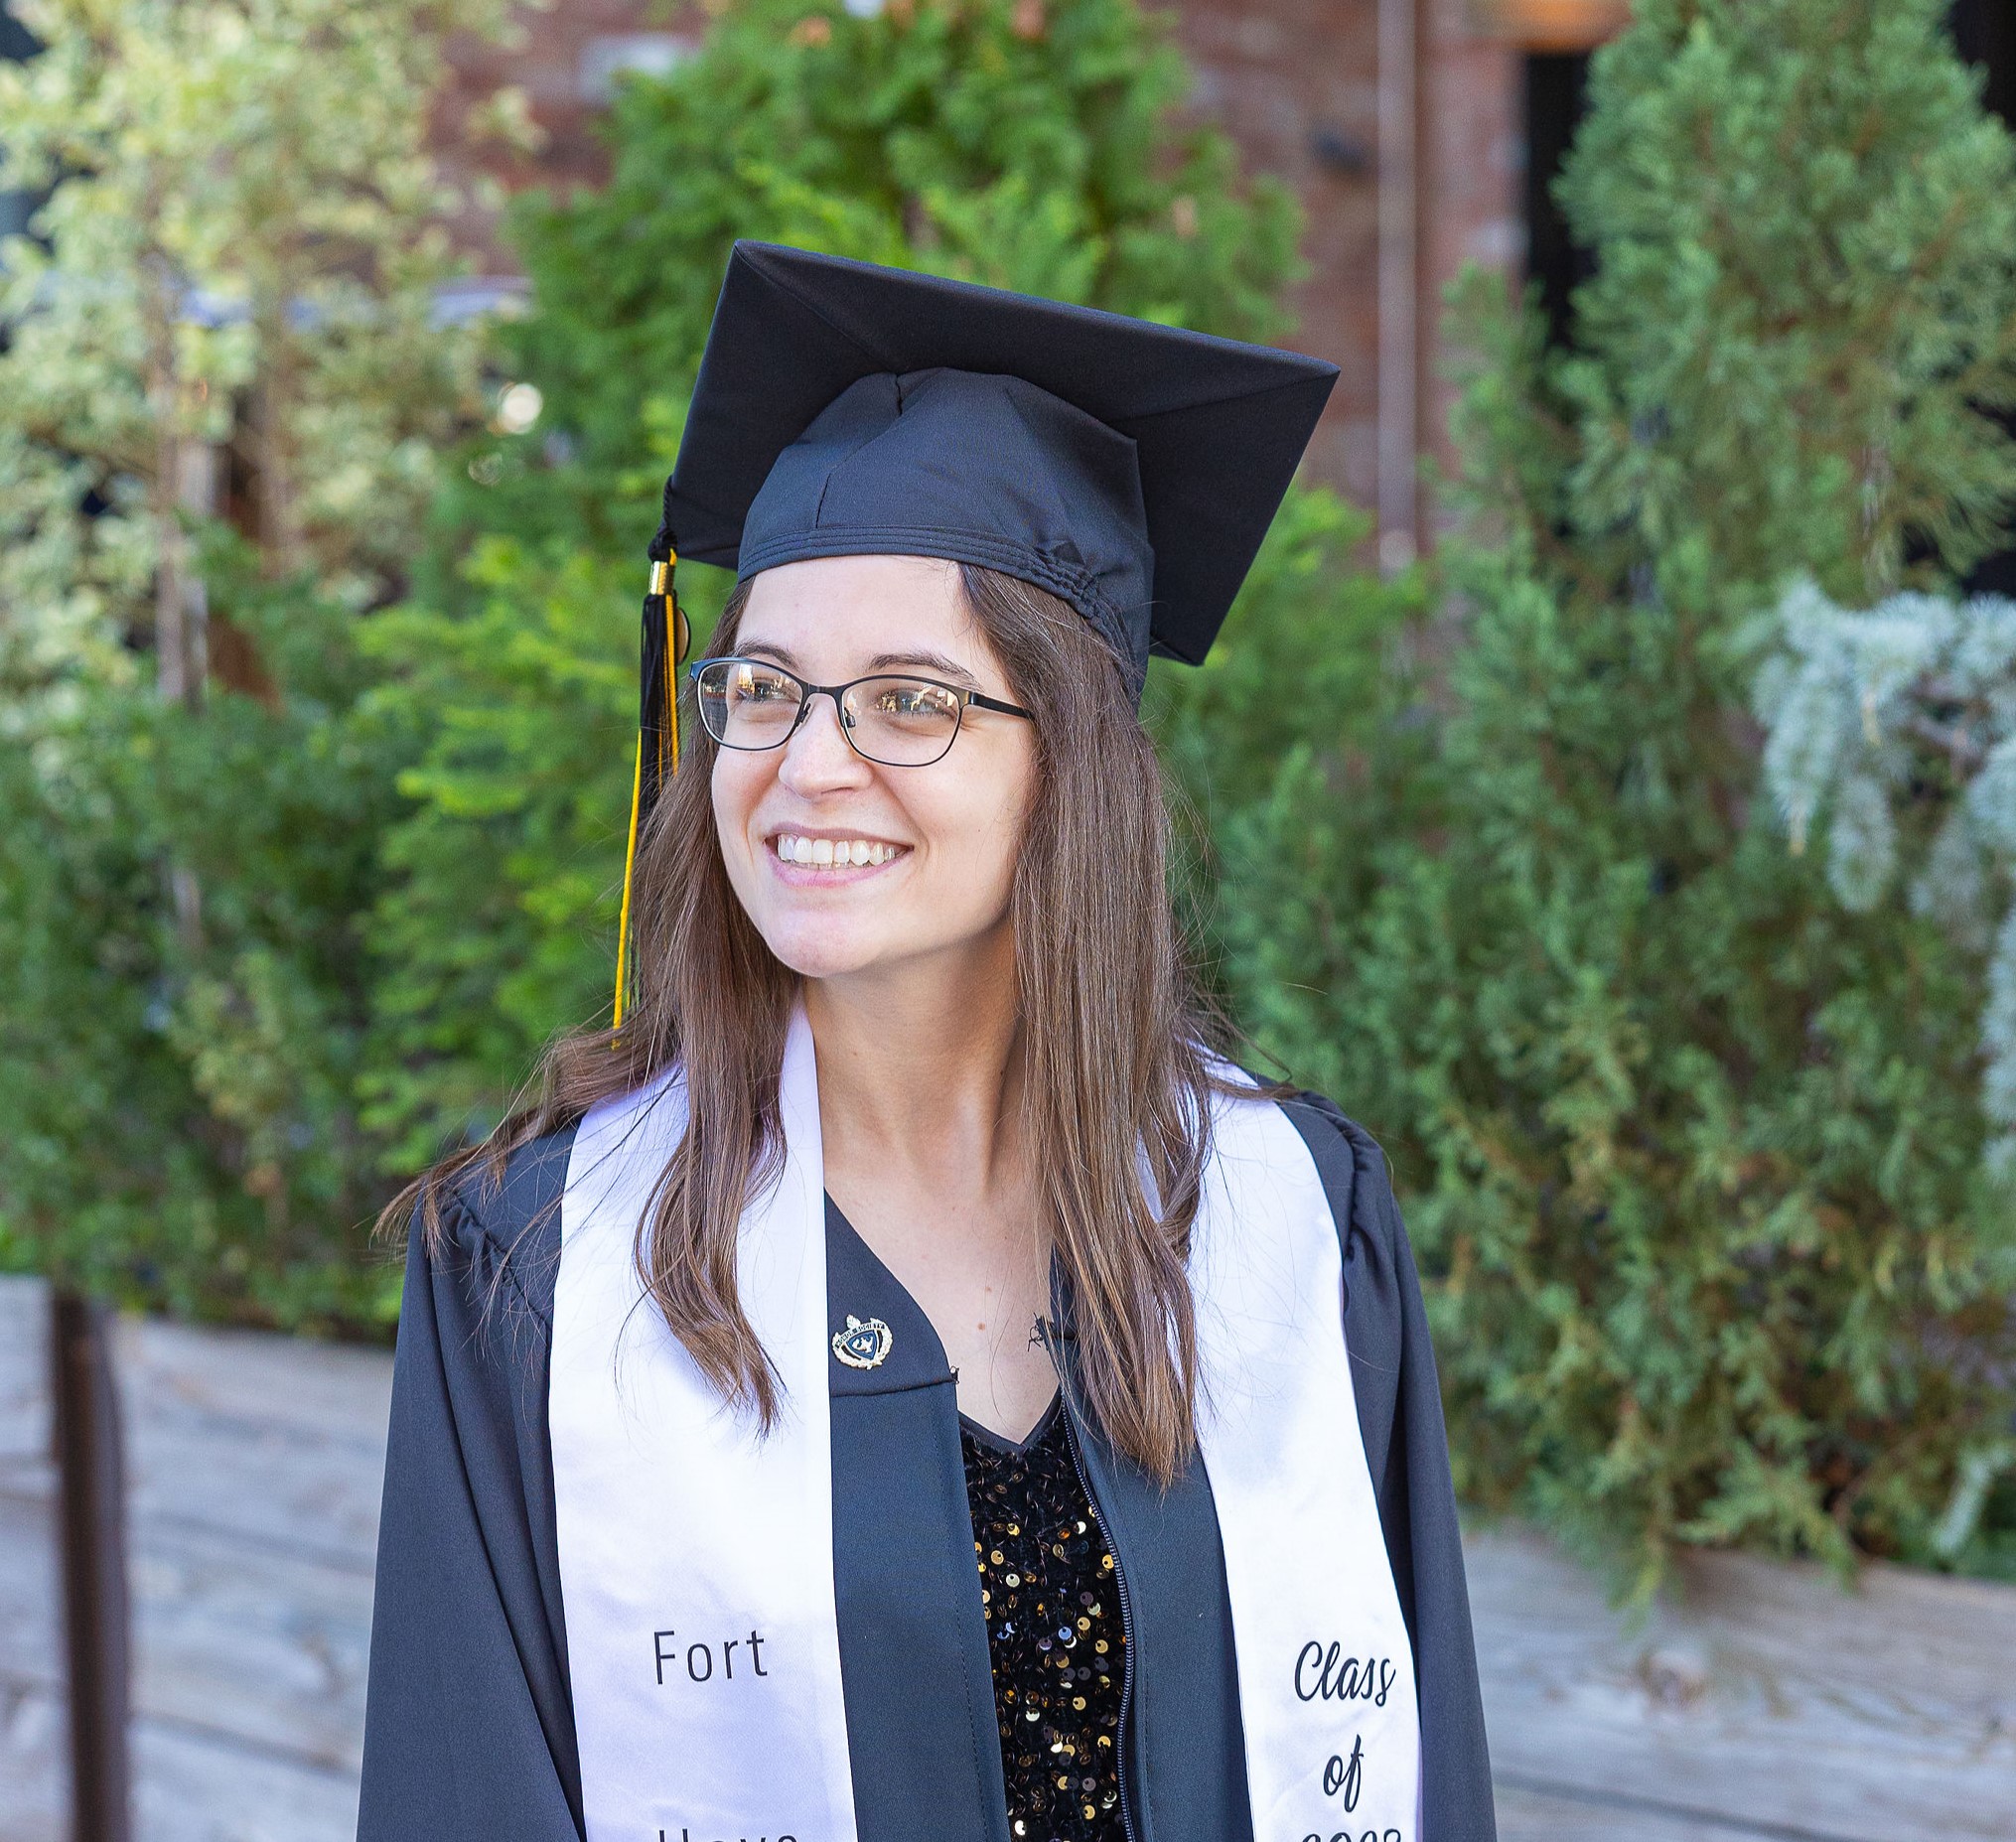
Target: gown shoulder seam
pixel 500 1220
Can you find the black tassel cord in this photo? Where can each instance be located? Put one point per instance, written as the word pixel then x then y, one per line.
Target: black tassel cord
pixel 666 636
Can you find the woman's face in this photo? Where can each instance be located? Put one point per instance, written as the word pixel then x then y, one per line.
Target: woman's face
pixel 946 835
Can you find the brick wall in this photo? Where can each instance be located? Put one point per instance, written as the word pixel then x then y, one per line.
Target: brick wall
pixel 1474 163
pixel 563 59
pixel 1295 82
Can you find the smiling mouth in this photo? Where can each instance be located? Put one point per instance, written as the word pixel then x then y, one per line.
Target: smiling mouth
pixel 832 853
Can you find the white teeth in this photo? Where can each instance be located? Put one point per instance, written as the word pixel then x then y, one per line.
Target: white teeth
pixel 793 849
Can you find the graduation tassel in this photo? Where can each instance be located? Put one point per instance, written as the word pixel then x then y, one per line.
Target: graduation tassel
pixel 666 635
pixel 628 871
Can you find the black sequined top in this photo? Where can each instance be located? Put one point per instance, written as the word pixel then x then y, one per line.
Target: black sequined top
pixel 1052 1633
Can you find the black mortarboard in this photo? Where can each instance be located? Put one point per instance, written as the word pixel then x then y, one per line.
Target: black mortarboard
pixel 1130 467
pixel 844 409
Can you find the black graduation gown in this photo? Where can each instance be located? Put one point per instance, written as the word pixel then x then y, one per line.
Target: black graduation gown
pixel 469 1732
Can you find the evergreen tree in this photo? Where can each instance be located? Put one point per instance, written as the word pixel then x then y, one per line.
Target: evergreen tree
pixel 1892 740
pixel 1693 1153
pixel 1894 732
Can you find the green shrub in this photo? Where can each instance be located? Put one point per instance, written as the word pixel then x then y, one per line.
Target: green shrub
pixel 225 324
pixel 494 933
pixel 1299 761
pixel 1692 1153
pixel 183 991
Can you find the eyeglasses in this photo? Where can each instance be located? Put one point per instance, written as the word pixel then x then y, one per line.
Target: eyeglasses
pixel 894 721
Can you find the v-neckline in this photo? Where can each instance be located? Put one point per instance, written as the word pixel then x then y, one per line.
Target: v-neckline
pixel 1046 1423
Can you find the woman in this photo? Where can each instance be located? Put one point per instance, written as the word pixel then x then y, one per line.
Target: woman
pixel 898 1383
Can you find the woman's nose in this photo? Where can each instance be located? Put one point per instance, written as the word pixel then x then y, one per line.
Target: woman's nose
pixel 819 756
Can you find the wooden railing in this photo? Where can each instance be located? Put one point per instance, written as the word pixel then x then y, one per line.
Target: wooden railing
pixel 1765 1702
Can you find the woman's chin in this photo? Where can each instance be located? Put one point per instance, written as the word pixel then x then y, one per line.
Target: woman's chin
pixel 825 951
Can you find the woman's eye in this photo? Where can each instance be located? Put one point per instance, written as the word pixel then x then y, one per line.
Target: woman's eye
pixel 911 700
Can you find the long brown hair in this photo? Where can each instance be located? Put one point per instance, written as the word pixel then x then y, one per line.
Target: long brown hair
pixel 1113 1030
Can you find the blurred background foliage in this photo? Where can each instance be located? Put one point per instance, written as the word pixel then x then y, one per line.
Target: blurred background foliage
pixel 317 653
pixel 224 384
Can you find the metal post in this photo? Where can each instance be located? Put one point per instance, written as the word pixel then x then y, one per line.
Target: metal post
pixel 91 1486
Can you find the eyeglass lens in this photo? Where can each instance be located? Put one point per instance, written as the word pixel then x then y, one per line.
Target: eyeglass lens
pixel 900 722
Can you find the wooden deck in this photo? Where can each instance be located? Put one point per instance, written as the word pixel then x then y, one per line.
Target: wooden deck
pixel 1766 1703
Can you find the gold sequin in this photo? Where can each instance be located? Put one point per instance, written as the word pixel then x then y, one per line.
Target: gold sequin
pixel 1044 1565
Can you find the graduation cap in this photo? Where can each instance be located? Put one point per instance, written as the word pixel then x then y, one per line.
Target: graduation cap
pixel 843 409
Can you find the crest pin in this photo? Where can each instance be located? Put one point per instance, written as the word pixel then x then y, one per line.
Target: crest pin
pixel 864 1343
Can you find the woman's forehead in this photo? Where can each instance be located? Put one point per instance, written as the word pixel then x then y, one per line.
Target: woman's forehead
pixel 862 611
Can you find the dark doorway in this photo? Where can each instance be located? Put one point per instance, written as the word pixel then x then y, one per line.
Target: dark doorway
pixel 1985 33
pixel 1556 93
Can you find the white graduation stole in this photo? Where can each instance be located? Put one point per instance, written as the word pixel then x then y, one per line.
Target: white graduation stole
pixel 696 1559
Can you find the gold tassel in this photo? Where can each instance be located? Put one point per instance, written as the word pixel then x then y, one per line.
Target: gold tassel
pixel 628 870
pixel 674 653
pixel 676 636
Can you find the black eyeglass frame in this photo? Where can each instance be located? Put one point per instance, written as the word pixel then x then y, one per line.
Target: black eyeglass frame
pixel 967 699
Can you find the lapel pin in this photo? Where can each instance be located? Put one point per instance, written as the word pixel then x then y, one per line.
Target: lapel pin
pixel 864 1343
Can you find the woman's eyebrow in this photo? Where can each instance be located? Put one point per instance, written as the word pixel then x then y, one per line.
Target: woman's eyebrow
pixel 929 661
pixel 753 648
